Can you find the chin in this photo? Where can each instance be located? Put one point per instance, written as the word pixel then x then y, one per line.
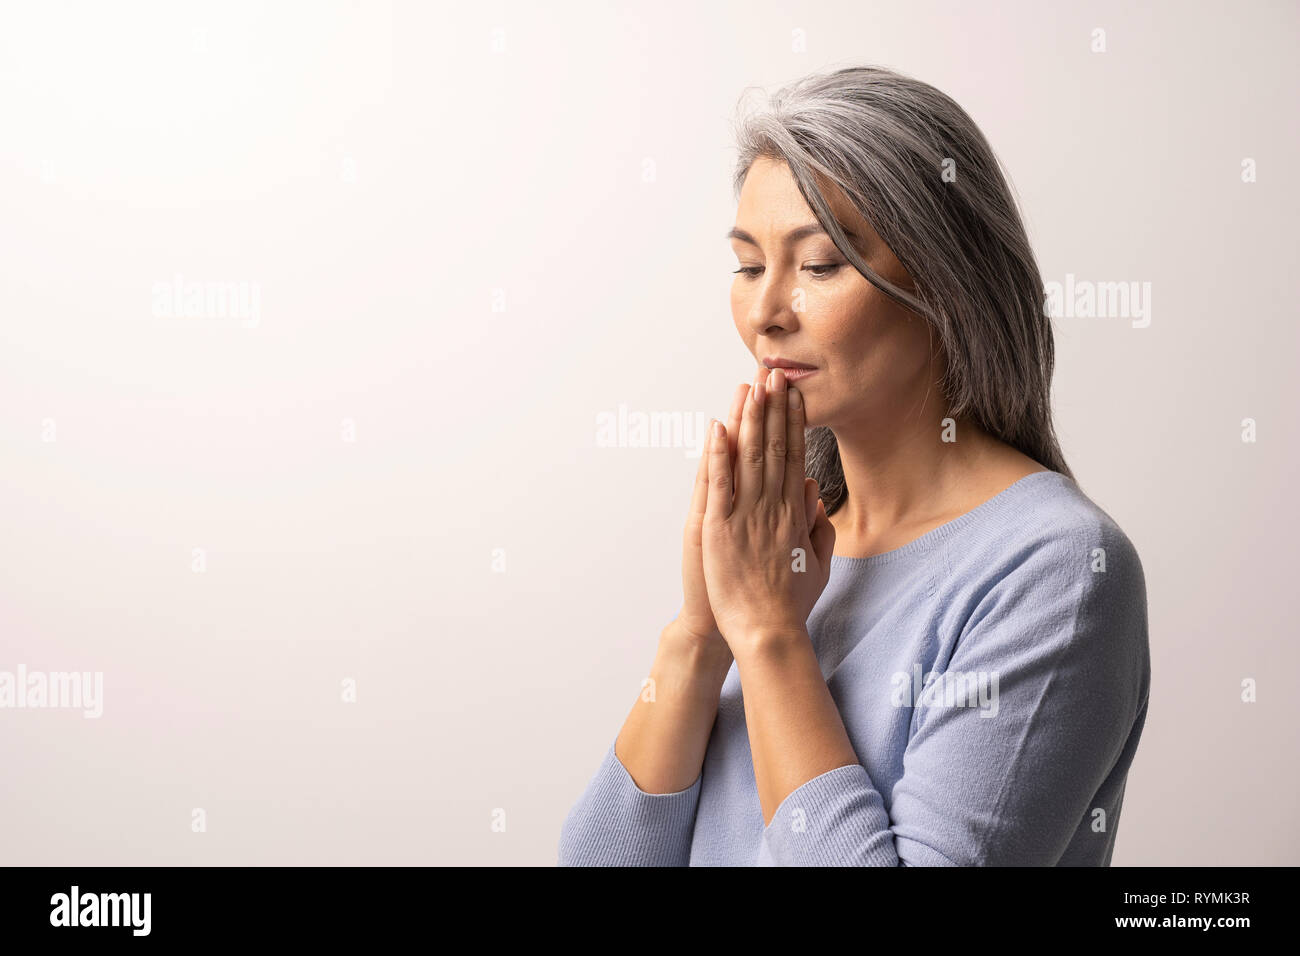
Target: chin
pixel 820 414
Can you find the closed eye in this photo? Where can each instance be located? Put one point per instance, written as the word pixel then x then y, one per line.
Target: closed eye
pixel 830 267
pixel 820 271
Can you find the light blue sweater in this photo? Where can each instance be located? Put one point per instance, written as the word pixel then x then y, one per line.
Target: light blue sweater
pixel 1022 624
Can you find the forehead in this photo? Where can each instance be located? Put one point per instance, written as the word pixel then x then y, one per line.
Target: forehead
pixel 770 200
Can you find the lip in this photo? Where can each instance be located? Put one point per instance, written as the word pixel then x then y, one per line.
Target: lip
pixel 794 371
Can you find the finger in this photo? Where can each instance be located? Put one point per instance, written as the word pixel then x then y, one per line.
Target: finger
pixel 733 431
pixel 733 419
pixel 810 500
pixel 823 537
pixel 718 505
pixel 774 438
pixel 794 449
pixel 749 451
pixel 700 490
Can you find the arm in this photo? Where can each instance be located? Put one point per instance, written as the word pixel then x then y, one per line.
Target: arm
pixel 795 729
pixel 767 547
pixel 639 809
pixel 1064 654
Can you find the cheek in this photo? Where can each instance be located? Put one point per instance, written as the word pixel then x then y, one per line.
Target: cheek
pixel 845 324
pixel 740 306
pixel 869 341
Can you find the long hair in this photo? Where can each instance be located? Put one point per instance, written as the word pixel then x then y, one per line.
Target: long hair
pixel 919 170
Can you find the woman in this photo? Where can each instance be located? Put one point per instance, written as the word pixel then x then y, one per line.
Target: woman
pixel 907 637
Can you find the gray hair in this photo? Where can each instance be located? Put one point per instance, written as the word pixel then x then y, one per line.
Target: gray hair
pixel 885 139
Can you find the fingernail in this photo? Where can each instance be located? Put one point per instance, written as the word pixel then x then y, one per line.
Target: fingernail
pixel 796 401
pixel 717 428
pixel 759 392
pixel 776 380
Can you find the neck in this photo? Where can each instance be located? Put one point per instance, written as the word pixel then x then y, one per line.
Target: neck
pixel 904 475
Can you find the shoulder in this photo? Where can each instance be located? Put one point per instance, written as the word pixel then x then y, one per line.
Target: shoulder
pixel 1046 554
pixel 1045 523
pixel 1049 583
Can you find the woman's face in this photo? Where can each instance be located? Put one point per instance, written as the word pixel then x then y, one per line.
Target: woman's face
pixel 796 299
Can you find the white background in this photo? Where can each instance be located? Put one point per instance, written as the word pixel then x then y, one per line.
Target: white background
pixel 379 170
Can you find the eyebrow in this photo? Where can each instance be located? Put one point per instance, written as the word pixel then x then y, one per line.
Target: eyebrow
pixel 793 236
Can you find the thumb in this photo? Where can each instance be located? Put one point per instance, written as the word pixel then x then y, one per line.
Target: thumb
pixel 823 536
pixel 810 500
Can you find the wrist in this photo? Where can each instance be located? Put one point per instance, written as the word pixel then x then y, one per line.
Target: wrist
pixel 708 653
pixel 765 643
pixel 678 630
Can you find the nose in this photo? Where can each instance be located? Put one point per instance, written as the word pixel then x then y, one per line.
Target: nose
pixel 772 310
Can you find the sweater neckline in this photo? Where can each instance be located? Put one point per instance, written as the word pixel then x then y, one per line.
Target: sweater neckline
pixel 989 508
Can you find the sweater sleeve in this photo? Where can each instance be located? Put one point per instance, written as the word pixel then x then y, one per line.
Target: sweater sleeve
pixel 616 823
pixel 1058 651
